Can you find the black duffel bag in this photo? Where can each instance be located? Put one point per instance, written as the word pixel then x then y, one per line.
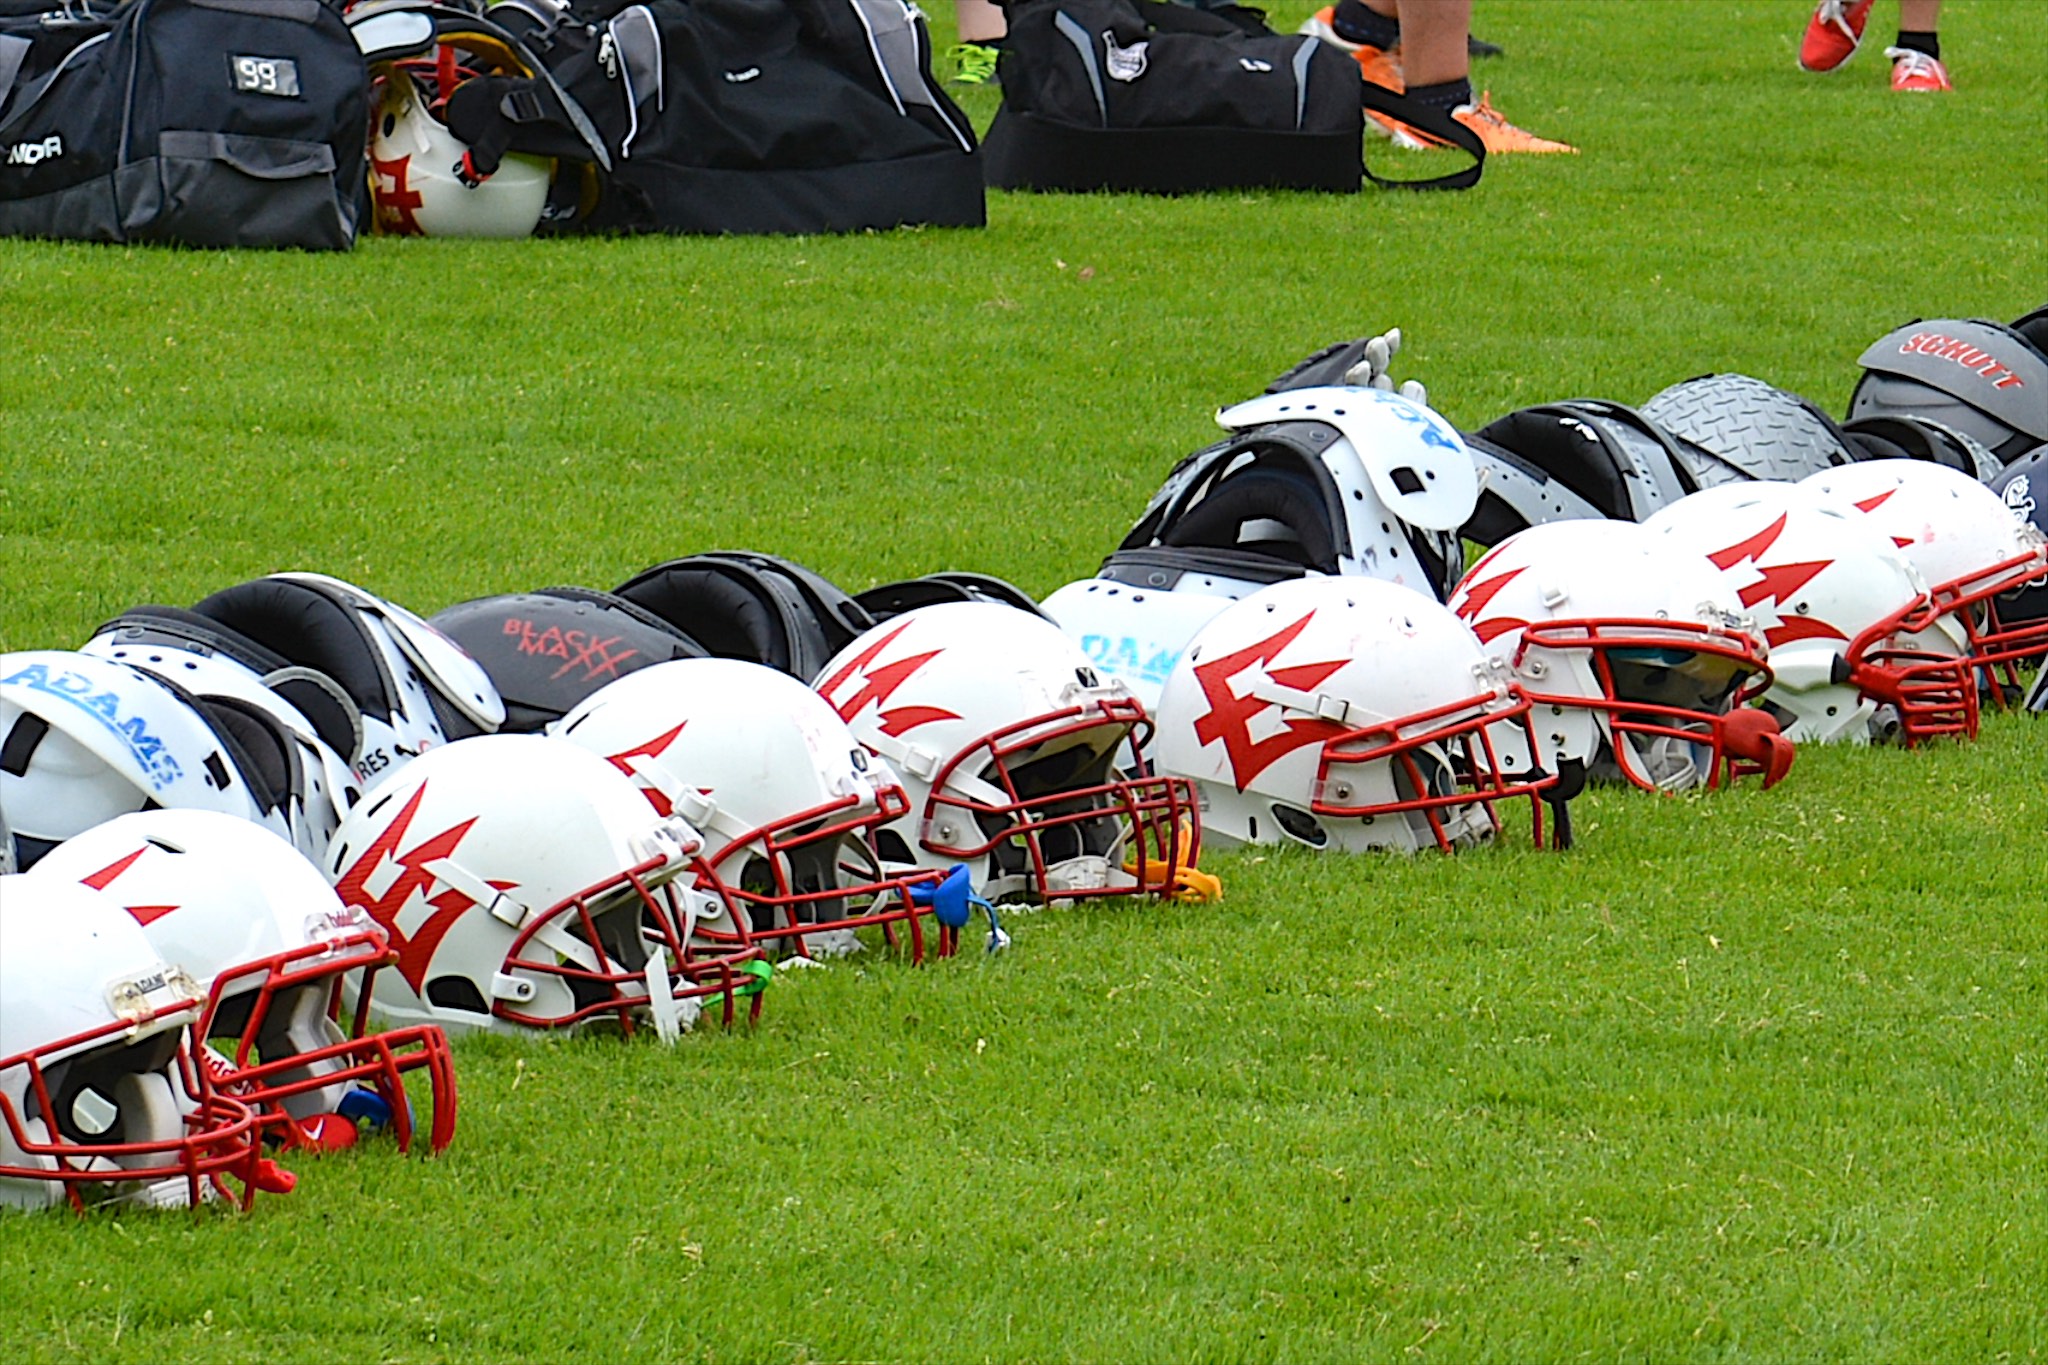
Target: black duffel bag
pixel 201 122
pixel 1143 96
pixel 740 116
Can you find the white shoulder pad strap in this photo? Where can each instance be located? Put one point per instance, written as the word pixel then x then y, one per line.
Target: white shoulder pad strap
pixel 445 664
pixel 1418 463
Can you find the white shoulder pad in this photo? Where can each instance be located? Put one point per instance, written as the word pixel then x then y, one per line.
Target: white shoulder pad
pixel 130 722
pixel 1133 635
pixel 446 665
pixel 1418 463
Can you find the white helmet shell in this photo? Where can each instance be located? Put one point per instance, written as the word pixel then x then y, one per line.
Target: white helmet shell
pixel 99 1099
pixel 417 185
pixel 84 739
pixel 251 919
pixel 1965 542
pixel 1342 713
pixel 1132 634
pixel 1856 649
pixel 1006 739
pixel 787 798
pixel 1633 658
pixel 525 885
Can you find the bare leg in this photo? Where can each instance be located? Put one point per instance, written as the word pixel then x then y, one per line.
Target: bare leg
pixel 980 20
pixel 1919 16
pixel 1433 34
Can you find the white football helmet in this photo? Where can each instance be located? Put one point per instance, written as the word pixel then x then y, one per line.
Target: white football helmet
pixel 84 739
pixel 1857 648
pixel 788 799
pixel 526 885
pixel 1006 739
pixel 422 179
pixel 1638 663
pixel 319 761
pixel 100 1102
pixel 1345 713
pixel 1964 540
pixel 257 926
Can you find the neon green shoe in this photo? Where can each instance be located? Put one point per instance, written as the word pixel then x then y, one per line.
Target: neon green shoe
pixel 975 64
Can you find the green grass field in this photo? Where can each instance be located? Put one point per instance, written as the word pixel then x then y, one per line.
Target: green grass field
pixel 1756 1076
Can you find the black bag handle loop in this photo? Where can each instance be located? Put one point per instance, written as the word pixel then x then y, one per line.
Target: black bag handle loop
pixel 1438 124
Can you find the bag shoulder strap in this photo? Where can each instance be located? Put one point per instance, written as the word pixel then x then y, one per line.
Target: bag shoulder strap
pixel 1439 124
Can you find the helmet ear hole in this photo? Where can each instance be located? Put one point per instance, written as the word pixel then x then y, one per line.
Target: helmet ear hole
pixel 1300 826
pixel 889 844
pixel 456 993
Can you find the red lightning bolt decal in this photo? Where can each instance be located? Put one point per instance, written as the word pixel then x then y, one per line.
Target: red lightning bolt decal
pixel 1777 582
pixel 1780 581
pixel 396 199
pixel 653 748
pixel 1872 504
pixel 1751 548
pixel 880 682
pixel 1474 597
pixel 100 880
pixel 416 952
pixel 1229 715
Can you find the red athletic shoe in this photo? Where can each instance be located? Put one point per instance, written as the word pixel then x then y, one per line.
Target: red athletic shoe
pixel 1833 34
pixel 1915 70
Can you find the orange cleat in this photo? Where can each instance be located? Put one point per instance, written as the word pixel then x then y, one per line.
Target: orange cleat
pixel 1501 137
pixel 1833 34
pixel 1914 70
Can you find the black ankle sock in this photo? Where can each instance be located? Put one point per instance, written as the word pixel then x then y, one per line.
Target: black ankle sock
pixel 1354 23
pixel 1446 96
pixel 995 43
pixel 1920 42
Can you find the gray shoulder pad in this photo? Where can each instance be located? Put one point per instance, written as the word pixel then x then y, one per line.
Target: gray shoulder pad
pixel 1902 436
pixel 1515 495
pixel 1988 365
pixel 1755 427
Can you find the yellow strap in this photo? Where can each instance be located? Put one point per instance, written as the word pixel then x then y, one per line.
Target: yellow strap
pixel 1188 884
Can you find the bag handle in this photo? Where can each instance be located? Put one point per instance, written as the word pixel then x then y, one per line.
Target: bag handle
pixel 1436 122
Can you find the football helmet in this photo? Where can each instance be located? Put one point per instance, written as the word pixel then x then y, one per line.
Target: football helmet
pixel 1132 634
pixel 1006 739
pixel 1975 555
pixel 313 761
pixel 788 799
pixel 1981 378
pixel 425 181
pixel 100 1102
pixel 1639 664
pixel 526 885
pixel 1345 713
pixel 267 940
pixel 1857 649
pixel 84 739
